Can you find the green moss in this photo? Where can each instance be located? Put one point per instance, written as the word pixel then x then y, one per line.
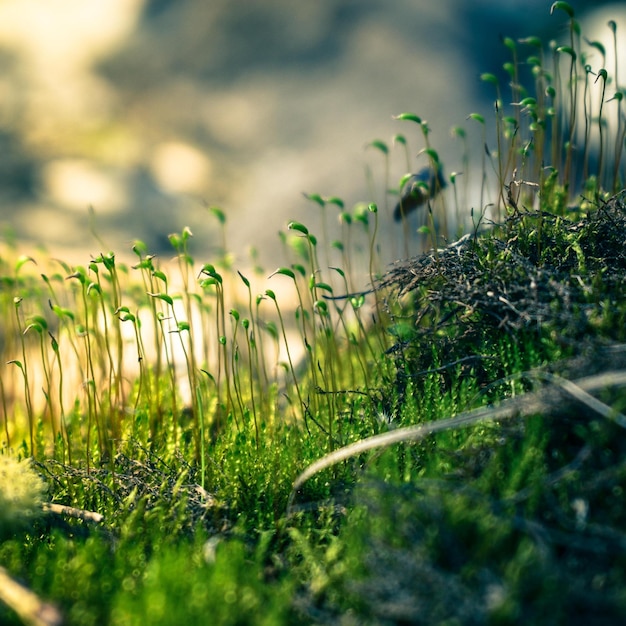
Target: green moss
pixel 22 493
pixel 508 521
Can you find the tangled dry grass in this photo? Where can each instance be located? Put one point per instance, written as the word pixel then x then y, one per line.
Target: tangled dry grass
pixel 552 275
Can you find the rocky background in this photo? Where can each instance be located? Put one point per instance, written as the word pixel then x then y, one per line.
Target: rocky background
pixel 150 111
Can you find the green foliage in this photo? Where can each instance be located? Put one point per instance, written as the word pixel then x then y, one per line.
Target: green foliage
pixel 21 495
pixel 160 397
pixel 180 586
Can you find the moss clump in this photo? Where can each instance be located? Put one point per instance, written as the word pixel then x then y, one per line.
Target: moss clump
pixel 21 494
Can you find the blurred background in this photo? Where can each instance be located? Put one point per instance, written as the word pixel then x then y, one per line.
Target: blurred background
pixel 150 111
